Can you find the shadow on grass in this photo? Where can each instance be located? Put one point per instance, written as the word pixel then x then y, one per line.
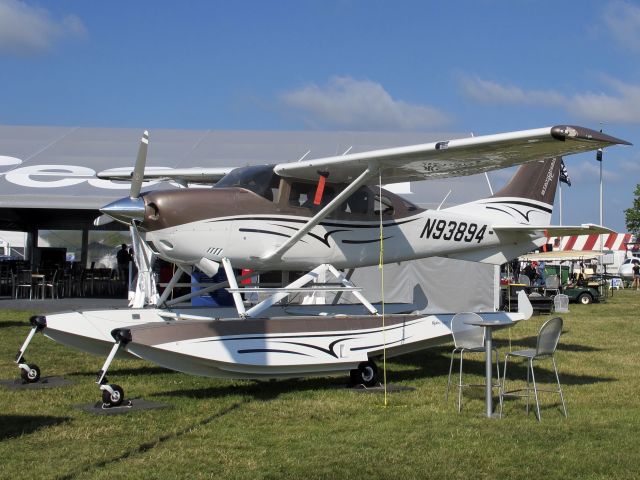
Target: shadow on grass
pixel 16 425
pixel 518 371
pixel 530 342
pixel 125 371
pixel 14 323
pixel 517 406
pixel 436 363
pixel 258 390
pixel 148 446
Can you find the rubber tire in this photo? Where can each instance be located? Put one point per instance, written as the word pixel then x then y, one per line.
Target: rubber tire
pixel 32 375
pixel 115 399
pixel 585 299
pixel 366 374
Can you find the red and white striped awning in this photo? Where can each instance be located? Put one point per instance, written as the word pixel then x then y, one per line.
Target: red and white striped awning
pixel 612 241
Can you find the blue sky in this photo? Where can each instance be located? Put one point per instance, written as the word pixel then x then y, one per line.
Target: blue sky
pixel 483 66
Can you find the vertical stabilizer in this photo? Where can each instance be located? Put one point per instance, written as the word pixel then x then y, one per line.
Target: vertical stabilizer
pixel 526 200
pixel 534 181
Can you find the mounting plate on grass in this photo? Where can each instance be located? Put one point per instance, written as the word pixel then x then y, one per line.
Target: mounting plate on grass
pixel 44 382
pixel 134 405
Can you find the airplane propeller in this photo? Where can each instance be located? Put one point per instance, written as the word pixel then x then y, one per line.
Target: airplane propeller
pixel 128 209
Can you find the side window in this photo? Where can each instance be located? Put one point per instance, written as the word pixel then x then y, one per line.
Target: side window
pixel 274 189
pixel 382 203
pixel 301 194
pixel 358 202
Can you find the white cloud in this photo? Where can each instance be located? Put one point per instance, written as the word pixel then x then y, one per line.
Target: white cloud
pixel 620 105
pixel 486 91
pixel 589 172
pixel 622 21
pixel 25 29
pixel 630 166
pixel 360 105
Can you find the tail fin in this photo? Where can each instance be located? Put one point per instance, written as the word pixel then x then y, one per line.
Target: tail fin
pixel 526 200
pixel 534 181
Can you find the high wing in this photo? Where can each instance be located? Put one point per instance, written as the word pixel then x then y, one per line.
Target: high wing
pixel 554 230
pixel 181 175
pixel 453 158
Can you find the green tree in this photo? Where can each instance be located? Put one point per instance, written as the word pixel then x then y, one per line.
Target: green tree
pixel 632 215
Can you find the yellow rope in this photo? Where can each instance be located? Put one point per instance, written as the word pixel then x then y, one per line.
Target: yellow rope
pixel 381 267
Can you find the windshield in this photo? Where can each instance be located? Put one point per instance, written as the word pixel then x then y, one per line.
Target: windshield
pixel 258 178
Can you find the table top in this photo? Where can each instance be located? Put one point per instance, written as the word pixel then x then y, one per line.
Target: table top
pixel 489 322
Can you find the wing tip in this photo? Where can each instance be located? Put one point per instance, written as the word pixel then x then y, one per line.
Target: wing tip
pixel 562 132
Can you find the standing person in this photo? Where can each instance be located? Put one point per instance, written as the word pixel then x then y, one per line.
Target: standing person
pixel 123 259
pixel 541 274
pixel 134 266
pixel 530 272
pixel 636 275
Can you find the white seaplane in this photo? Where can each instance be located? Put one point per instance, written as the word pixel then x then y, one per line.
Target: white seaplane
pixel 322 216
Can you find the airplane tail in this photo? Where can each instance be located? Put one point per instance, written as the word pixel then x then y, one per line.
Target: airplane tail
pixel 534 181
pixel 526 200
pixel 520 213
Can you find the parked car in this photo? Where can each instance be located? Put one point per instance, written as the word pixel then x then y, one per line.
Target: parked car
pixel 584 294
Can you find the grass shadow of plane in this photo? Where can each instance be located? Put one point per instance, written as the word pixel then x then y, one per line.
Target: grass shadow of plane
pixel 16 425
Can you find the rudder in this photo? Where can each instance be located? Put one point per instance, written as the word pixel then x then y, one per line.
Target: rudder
pixel 534 181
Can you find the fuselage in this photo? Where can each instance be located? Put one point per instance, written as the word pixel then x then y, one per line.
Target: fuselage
pixel 184 226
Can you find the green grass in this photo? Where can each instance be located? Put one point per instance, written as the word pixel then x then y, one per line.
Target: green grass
pixel 311 429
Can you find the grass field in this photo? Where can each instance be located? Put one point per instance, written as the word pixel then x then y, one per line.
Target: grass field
pixel 311 428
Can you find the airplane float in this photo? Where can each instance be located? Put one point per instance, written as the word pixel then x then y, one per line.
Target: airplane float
pixel 323 216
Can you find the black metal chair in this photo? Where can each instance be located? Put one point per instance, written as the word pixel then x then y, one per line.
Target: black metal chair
pixel 24 281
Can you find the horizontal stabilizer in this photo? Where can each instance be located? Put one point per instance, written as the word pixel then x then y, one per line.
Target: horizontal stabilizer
pixel 554 230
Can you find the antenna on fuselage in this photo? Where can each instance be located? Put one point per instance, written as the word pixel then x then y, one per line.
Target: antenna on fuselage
pixel 304 156
pixel 444 200
pixel 486 175
pixel 347 150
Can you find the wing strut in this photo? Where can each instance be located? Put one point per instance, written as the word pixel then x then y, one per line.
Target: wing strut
pixel 315 220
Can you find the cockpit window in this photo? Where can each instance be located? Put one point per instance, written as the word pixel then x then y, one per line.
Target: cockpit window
pixel 260 179
pixel 302 195
pixel 383 203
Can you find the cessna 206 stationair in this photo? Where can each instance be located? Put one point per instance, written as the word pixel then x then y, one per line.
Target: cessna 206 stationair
pixel 320 215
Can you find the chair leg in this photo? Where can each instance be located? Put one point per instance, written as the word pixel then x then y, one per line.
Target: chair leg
pixel 460 383
pixel 446 395
pixel 504 381
pixel 535 390
pixel 528 387
pixel 555 369
pixel 497 367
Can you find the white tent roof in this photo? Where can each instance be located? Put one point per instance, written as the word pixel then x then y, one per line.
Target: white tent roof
pixel 54 167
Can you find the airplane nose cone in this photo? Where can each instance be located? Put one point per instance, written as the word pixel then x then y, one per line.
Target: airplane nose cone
pixel 125 210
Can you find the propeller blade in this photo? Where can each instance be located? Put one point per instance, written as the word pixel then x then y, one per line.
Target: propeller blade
pixel 103 220
pixel 138 172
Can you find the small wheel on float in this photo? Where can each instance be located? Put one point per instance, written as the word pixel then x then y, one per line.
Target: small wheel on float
pixel 366 374
pixel 32 375
pixel 113 399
